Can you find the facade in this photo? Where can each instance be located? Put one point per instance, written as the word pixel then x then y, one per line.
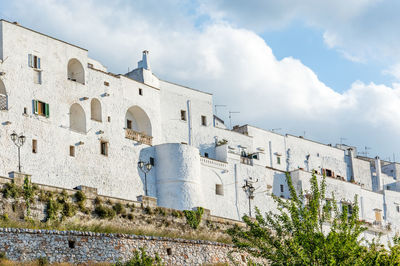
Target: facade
pixel 87 126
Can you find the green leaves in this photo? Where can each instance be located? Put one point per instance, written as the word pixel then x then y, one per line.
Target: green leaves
pixel 309 229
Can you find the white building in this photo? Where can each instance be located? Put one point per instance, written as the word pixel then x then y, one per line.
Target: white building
pixel 87 126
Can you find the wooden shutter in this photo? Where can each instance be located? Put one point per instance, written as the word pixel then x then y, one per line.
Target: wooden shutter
pixel 46 110
pixel 35 107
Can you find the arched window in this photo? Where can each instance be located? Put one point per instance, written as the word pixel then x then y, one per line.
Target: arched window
pixel 95 110
pixel 137 120
pixel 77 118
pixel 3 96
pixel 76 71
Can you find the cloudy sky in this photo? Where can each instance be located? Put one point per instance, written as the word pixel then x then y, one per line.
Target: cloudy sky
pixel 327 69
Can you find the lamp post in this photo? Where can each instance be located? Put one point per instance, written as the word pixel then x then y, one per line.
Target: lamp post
pixel 145 168
pixel 18 141
pixel 249 189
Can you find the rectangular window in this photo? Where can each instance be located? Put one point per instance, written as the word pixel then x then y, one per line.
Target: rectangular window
pixel 106 83
pixel 104 148
pixel 109 118
pixel 128 124
pixel 34 61
pixel 378 216
pixel 398 208
pixel 278 160
pixel 37 77
pixel 72 151
pixel 203 120
pixel 281 187
pixel 219 189
pixel 183 115
pixel 34 146
pixel 140 92
pixel 41 108
pixel 25 111
pixel 152 161
pixel 328 172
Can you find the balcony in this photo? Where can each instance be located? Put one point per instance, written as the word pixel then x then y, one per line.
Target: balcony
pixel 246 160
pixel 3 102
pixel 137 136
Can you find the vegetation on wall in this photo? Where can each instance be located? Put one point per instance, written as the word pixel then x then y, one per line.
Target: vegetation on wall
pixel 140 258
pixel 296 234
pixel 193 218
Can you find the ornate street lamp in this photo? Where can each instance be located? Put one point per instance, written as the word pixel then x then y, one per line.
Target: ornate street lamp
pixel 145 168
pixel 18 141
pixel 249 189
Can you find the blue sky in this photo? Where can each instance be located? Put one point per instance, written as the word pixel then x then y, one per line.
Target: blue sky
pixel 328 68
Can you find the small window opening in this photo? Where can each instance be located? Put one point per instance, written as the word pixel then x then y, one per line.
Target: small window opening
pixel 25 111
pixel 72 151
pixel 152 161
pixel 281 187
pixel 203 120
pixel 278 160
pixel 328 172
pixel 34 146
pixel 34 61
pixel 106 83
pixel 169 251
pixel 104 148
pixel 398 208
pixel 71 243
pixel 219 189
pixel 206 154
pixel 183 115
pixel 128 124
pixel 140 91
pixel 108 118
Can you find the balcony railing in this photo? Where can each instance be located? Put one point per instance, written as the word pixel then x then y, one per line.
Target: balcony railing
pixel 3 102
pixel 137 136
pixel 246 160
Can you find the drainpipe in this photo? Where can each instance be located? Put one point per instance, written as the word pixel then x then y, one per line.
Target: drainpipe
pixel 189 108
pixel 270 154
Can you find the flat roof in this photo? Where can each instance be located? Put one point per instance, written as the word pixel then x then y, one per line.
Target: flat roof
pixel 186 87
pixel 17 24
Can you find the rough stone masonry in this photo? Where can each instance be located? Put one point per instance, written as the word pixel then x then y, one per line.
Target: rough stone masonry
pixel 84 247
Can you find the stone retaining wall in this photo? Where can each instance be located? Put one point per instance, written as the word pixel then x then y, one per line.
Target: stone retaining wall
pixel 84 247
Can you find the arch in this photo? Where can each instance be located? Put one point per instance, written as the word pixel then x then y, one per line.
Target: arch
pixel 3 97
pixel 137 119
pixel 77 118
pixel 76 71
pixel 95 110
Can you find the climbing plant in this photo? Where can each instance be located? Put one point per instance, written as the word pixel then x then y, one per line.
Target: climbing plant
pixel 193 218
pixel 29 192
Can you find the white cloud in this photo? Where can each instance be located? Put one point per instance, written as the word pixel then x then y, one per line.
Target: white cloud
pixel 233 63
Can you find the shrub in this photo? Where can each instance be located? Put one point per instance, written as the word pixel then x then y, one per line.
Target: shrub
pixel 161 211
pixel 52 209
pixel 130 216
pixel 193 218
pixel 97 201
pixel 104 212
pixel 43 196
pixel 4 217
pixel 119 208
pixel 176 214
pixel 42 261
pixel 148 210
pixel 11 190
pixel 80 196
pixel 69 209
pixel 142 259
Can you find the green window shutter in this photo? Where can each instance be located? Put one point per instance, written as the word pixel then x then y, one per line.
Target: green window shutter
pixel 35 106
pixel 46 110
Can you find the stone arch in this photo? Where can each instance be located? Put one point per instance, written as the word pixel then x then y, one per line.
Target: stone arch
pixel 3 97
pixel 137 119
pixel 95 110
pixel 77 118
pixel 76 71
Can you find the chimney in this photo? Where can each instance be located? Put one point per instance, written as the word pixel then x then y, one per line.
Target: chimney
pixel 378 173
pixel 144 63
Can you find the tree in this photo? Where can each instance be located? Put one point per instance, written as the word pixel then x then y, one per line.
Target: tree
pixel 305 230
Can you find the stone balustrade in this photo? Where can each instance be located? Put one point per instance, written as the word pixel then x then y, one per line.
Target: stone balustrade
pixel 138 136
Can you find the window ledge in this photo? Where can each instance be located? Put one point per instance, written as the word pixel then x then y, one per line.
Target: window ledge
pixel 99 121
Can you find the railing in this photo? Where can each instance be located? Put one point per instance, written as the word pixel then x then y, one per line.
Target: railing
pixel 3 102
pixel 137 136
pixel 246 160
pixel 213 163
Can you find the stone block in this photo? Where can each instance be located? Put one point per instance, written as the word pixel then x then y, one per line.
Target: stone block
pixel 19 178
pixel 147 201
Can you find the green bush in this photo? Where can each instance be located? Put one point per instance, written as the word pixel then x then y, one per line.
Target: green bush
pixel 161 211
pixel 141 259
pixel 11 190
pixel 69 209
pixel 119 208
pixel 148 210
pixel 80 198
pixel 193 218
pixel 104 212
pixel 42 261
pixel 130 216
pixel 97 201
pixel 177 214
